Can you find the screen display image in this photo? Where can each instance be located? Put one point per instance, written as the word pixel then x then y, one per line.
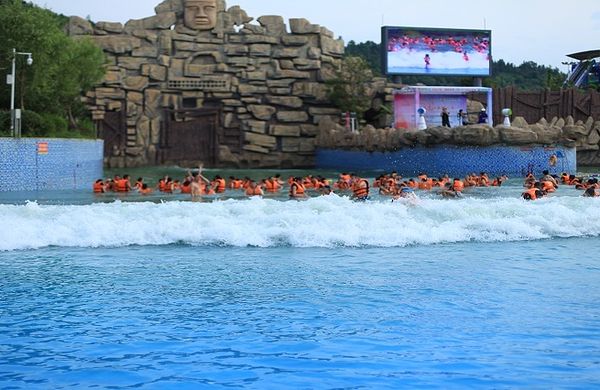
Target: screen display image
pixel 423 51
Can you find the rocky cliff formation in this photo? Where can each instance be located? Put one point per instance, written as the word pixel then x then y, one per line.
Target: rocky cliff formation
pixel 584 136
pixel 266 80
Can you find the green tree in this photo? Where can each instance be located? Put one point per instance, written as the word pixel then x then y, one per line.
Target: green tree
pixel 62 68
pixel 348 90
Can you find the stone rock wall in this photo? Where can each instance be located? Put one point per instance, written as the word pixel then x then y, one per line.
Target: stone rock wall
pixel 558 131
pixel 267 78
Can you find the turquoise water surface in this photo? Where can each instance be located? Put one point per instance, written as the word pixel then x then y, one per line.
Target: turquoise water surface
pixel 484 292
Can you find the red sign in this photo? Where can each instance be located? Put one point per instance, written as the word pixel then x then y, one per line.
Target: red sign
pixel 42 147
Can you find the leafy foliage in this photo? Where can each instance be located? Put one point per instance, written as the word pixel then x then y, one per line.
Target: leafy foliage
pixel 527 76
pixel 348 90
pixel 63 68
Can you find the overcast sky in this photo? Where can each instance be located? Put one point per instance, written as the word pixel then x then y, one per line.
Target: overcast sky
pixel 522 30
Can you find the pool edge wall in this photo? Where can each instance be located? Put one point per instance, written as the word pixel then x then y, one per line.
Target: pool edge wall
pixel 41 164
pixel 454 160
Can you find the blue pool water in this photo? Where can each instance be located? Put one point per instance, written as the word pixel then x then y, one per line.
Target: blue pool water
pixel 484 292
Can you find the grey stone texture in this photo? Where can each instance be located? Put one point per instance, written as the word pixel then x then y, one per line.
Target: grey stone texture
pixel 268 78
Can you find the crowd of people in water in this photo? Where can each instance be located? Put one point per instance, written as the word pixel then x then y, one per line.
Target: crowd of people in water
pixel 391 185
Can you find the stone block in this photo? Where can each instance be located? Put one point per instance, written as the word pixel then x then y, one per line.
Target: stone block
pixel 288 52
pixel 256 149
pixel 280 91
pixel 239 61
pixel 263 140
pixel 313 53
pixel 135 98
pixel 332 47
pixel 176 68
pixel 147 35
pixel 311 90
pixel 292 116
pixel 290 145
pixel 273 24
pixel 294 40
pixel 111 27
pixel 307 145
pixel 306 64
pixel 294 74
pixel 232 102
pixel 285 101
pixel 110 93
pixel 257 38
pixel 135 83
pixel 259 75
pixel 152 103
pixel 155 72
pixel 117 44
pixel 280 83
pixel 324 111
pixel 309 130
pixel 303 26
pixel 132 63
pixel 285 130
pixel 260 50
pixel 145 51
pixel 262 112
pixel 237 50
pixel 249 90
pixel 79 26
pixel 112 77
pixel 254 126
pixel 286 64
pixel 517 136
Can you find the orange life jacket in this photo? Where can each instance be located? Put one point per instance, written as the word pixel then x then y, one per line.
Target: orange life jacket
pixel 221 186
pixel 458 186
pixel 186 188
pixel 300 189
pixel 121 185
pixel 145 191
pixel 98 188
pixel 548 186
pixel 253 191
pixel 532 193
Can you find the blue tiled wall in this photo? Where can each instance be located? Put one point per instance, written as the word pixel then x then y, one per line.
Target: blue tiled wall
pixel 70 164
pixel 454 160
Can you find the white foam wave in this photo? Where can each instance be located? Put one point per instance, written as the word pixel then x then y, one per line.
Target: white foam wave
pixel 319 222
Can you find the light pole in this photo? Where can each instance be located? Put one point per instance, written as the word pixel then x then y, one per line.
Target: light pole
pixel 12 82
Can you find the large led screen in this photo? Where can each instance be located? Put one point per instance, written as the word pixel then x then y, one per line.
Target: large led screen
pixel 434 52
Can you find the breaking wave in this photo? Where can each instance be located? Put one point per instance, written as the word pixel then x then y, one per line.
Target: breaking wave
pixel 330 221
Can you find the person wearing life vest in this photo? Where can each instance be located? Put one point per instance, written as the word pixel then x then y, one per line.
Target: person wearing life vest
pixel 219 185
pixel 297 189
pixel 186 187
pixel 547 177
pixel 272 184
pixel 458 185
pixel 145 190
pixel 449 192
pixel 360 188
pixel 138 184
pixel 533 192
pixel 254 189
pixel 123 185
pixel 548 186
pixel 99 187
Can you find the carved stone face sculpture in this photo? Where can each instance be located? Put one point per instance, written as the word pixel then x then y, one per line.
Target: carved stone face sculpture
pixel 200 14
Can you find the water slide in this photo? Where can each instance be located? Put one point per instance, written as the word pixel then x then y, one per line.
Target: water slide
pixel 579 77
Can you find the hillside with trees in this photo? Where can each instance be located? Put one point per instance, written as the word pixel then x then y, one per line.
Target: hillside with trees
pixel 527 76
pixel 63 69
